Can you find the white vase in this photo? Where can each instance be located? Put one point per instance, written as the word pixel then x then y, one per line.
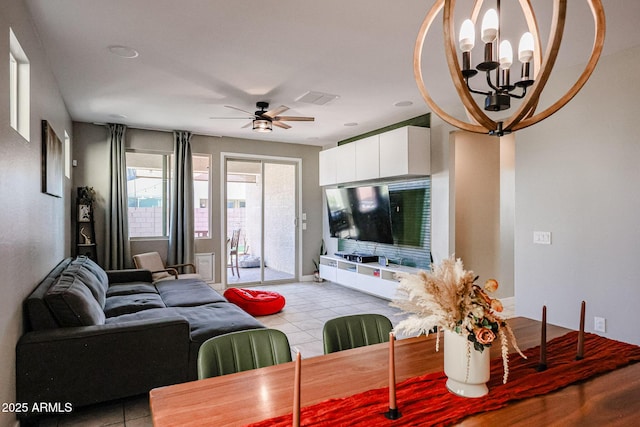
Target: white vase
pixel 467 369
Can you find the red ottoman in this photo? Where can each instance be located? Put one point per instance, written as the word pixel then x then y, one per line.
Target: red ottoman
pixel 255 302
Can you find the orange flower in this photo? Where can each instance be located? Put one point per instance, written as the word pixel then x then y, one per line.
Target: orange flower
pixel 491 285
pixel 485 335
pixel 496 305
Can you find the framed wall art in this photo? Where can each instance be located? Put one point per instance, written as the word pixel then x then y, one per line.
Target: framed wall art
pixel 52 161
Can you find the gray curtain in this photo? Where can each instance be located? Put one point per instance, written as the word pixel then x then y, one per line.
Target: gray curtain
pixel 117 249
pixel 181 226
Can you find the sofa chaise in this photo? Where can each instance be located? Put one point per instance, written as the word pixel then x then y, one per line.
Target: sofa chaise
pixel 94 335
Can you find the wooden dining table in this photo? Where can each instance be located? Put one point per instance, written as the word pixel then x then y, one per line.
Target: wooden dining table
pixel 238 399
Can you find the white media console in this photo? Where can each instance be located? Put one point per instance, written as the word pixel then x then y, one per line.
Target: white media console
pixel 370 277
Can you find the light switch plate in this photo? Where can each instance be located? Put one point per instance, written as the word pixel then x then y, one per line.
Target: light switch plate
pixel 542 237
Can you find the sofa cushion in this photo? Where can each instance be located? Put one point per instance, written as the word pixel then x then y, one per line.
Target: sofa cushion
pixel 150 314
pixel 131 288
pixel 38 314
pixel 90 265
pixel 124 304
pixel 216 319
pixel 180 276
pixel 91 275
pixel 72 303
pixel 187 293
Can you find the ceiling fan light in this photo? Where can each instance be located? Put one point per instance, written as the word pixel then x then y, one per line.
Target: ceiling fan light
pixel 262 125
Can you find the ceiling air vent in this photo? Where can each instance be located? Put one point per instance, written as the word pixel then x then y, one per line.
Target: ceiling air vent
pixel 317 98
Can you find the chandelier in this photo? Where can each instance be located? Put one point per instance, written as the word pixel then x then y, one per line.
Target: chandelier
pixel 497 62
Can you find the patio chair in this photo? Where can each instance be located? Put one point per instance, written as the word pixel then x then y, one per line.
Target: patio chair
pixel 159 271
pixel 233 251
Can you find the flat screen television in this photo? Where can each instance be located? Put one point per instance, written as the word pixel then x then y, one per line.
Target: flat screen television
pixel 407 215
pixel 360 213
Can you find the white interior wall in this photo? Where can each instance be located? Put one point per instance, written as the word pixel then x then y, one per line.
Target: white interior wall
pixel 484 206
pixel 577 176
pixel 34 227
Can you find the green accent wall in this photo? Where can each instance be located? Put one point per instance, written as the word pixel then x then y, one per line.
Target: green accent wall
pixel 421 121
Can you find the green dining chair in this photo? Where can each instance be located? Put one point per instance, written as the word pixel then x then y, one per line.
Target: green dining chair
pixel 343 333
pixel 242 351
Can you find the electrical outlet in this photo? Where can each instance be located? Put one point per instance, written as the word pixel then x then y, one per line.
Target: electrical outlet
pixel 542 237
pixel 599 324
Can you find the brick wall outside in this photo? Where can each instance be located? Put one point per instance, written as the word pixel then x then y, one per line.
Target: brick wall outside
pixel 147 222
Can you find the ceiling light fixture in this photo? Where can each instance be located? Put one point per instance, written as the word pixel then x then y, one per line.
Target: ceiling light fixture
pixel 499 89
pixel 123 51
pixel 262 125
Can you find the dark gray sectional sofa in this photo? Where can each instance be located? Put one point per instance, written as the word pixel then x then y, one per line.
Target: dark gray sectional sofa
pixel 94 336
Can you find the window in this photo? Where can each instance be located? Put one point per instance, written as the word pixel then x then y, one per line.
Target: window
pixel 201 195
pixel 19 90
pixel 67 155
pixel 148 189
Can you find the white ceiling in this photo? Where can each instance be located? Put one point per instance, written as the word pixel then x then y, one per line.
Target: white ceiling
pixel 197 56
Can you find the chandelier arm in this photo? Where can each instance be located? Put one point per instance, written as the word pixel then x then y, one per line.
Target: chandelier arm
pixel 417 72
pixel 557 28
pixel 479 92
pixel 490 83
pixel 456 74
pixel 597 11
pixel 522 95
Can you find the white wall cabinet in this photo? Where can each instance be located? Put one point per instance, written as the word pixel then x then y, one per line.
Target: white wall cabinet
pixel 345 160
pixel 370 278
pixel 327 167
pixel 402 152
pixel 406 152
pixel 367 158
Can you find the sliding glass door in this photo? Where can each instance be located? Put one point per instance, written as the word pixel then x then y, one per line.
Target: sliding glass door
pixel 261 227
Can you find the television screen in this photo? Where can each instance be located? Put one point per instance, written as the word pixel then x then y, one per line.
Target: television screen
pixel 360 213
pixel 407 207
pixel 340 218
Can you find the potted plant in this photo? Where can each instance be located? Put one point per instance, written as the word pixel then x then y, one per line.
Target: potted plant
pixel 448 299
pixel 86 195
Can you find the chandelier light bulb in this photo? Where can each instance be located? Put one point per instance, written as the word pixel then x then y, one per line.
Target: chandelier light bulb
pixel 490 26
pixel 506 54
pixel 467 36
pixel 525 48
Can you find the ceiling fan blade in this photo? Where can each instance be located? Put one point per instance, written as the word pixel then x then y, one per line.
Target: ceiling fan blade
pixel 281 125
pixel 231 118
pixel 247 125
pixel 294 118
pixel 235 108
pixel 275 111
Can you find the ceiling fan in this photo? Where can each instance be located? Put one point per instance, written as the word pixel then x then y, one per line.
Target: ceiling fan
pixel 263 119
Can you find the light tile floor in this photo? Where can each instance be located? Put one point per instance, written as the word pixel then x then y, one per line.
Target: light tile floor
pixel 308 306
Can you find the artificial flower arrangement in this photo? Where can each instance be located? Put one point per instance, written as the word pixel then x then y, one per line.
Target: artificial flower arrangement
pixel 448 298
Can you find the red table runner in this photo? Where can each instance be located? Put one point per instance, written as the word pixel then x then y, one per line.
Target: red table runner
pixel 425 400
